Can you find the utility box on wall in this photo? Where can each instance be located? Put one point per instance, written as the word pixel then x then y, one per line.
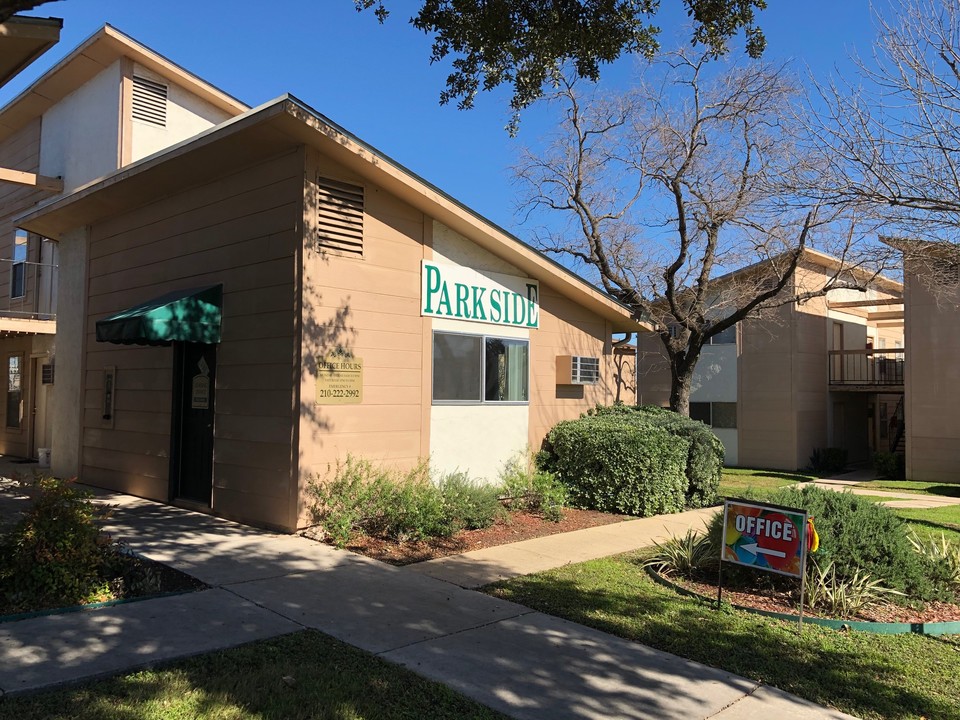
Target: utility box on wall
pixel 577 370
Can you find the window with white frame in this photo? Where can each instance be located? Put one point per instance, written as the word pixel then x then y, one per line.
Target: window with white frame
pixel 480 369
pixel 18 285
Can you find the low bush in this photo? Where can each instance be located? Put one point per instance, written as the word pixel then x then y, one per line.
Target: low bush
pixel 891 466
pixel 526 488
pixel 361 497
pixel 689 556
pixel 943 556
pixel 842 597
pixel 704 461
pixel 56 555
pixel 828 461
pixel 613 465
pixel 470 504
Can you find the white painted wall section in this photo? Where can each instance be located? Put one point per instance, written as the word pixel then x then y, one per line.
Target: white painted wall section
pixel 730 440
pixel 79 136
pixel 715 377
pixel 475 438
pixel 187 115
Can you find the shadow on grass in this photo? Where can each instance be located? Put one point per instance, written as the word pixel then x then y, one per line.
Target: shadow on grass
pixel 306 674
pixel 932 524
pixel 867 675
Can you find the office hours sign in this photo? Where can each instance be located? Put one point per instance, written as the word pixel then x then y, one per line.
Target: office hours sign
pixel 765 537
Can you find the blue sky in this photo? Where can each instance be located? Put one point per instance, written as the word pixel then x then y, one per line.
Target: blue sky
pixel 376 80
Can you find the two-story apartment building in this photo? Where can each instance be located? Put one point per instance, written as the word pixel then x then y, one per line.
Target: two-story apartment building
pixel 824 373
pixel 108 103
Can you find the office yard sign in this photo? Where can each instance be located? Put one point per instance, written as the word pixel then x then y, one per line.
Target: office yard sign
pixel 765 537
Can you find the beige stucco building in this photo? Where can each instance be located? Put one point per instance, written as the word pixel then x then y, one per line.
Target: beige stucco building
pixel 244 302
pixel 931 321
pixel 824 373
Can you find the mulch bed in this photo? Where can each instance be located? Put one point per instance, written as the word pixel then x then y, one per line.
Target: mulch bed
pixel 781 601
pixel 514 528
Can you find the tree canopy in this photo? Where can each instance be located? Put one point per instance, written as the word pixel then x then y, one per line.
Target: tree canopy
pixel 523 42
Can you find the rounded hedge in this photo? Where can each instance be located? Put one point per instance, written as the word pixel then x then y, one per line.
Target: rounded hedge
pixel 705 452
pixel 640 461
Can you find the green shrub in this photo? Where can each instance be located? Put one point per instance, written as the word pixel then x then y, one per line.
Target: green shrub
pixel 613 465
pixel 704 464
pixel 857 536
pixel 688 556
pixel 537 491
pixel 469 504
pixel 361 497
pixel 828 461
pixel 890 465
pixel 842 597
pixel 56 555
pixel 943 556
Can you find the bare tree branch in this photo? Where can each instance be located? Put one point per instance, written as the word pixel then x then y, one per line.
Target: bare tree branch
pixel 681 197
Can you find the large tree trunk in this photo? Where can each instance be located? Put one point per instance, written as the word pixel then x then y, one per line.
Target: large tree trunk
pixel 681 378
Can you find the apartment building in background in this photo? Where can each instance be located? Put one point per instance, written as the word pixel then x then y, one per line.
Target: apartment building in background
pixel 828 372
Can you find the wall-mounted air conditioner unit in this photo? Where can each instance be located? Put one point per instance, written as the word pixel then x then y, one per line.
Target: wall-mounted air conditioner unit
pixel 577 370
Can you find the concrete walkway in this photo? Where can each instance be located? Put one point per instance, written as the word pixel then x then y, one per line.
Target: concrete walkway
pixel 523 663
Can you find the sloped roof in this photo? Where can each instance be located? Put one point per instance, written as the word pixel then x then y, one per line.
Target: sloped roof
pixel 279 125
pixel 23 40
pixel 92 56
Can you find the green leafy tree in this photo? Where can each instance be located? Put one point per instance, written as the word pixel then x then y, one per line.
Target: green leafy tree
pixel 522 42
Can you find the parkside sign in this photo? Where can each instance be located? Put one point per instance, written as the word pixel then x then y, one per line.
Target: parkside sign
pixel 459 293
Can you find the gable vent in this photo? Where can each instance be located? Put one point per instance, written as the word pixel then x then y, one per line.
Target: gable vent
pixel 339 217
pixel 149 101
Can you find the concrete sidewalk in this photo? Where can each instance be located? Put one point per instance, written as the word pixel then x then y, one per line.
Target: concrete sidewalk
pixel 524 663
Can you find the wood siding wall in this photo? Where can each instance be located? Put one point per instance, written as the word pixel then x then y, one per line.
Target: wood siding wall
pixel 368 306
pixel 242 231
pixel 566 329
pixel 20 151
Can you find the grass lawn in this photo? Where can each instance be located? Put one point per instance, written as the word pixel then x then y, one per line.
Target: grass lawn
pixel 305 675
pixel 920 488
pixel 934 521
pixel 871 676
pixel 737 481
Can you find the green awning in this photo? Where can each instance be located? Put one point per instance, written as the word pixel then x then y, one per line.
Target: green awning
pixel 183 316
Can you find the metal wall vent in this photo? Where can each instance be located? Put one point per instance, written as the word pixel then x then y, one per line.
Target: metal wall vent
pixel 46 374
pixel 149 101
pixel 339 217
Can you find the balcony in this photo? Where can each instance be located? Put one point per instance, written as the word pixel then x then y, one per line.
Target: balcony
pixel 867 370
pixel 28 297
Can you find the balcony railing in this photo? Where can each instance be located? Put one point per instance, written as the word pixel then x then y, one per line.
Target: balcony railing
pixel 866 367
pixel 28 290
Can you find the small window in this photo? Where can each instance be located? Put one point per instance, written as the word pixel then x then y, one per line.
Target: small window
pixel 14 391
pixel 475 369
pixel 506 370
pixel 700 411
pixel 725 337
pixel 46 374
pixel 456 367
pixel 18 285
pixel 724 415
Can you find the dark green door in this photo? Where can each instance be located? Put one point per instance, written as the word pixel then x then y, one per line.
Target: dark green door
pixel 195 367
